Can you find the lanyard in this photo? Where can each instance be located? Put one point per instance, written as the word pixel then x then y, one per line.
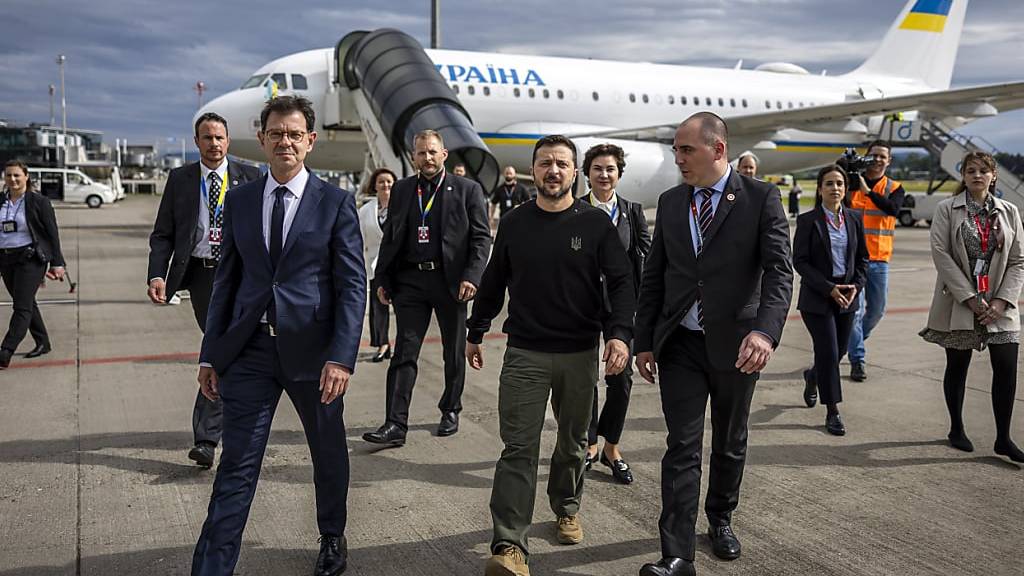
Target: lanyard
pixel 12 205
pixel 220 199
pixel 430 203
pixel 696 224
pixel 615 207
pixel 839 215
pixel 984 233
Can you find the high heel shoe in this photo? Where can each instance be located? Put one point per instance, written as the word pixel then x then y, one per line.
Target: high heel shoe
pixel 382 356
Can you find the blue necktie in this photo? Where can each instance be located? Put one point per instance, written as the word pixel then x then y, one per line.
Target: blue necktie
pixel 276 243
pixel 705 216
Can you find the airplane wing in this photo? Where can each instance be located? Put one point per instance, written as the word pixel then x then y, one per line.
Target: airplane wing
pixel 974 102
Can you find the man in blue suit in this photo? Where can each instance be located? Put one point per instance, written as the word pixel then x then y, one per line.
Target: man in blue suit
pixel 286 315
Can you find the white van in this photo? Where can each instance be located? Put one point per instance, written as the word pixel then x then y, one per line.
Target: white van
pixel 71 185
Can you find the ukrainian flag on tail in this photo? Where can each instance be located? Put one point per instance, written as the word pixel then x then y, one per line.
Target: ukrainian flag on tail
pixel 927 16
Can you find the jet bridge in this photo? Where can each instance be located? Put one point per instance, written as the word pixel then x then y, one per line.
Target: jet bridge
pixel 385 85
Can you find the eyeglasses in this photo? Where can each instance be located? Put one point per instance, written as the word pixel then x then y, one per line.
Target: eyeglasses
pixel 278 135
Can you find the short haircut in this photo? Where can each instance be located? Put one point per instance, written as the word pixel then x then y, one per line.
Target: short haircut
pixel 370 188
pixel 748 154
pixel 821 178
pixel 555 140
pixel 211 117
pixel 286 105
pixel 878 144
pixel 459 164
pixel 422 134
pixel 599 150
pixel 712 127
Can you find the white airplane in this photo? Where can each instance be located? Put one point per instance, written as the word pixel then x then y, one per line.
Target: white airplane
pixel 790 118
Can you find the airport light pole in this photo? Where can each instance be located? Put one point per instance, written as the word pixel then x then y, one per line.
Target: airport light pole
pixel 435 24
pixel 200 88
pixel 53 90
pixel 63 108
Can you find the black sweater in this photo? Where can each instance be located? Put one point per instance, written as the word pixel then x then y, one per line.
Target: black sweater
pixel 552 264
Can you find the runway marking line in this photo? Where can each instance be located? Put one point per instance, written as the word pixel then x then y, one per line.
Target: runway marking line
pixel 194 356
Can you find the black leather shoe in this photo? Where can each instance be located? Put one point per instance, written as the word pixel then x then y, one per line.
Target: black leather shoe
pixel 834 425
pixel 389 434
pixel 449 424
pixel 202 454
pixel 960 441
pixel 620 470
pixel 857 373
pixel 669 567
pixel 724 542
pixel 382 356
pixel 333 558
pixel 39 350
pixel 810 388
pixel 5 358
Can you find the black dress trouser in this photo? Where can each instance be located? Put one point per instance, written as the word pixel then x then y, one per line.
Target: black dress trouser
pixel 207 415
pixel 687 380
pixel 415 296
pixel 612 418
pixel 830 334
pixel 22 274
pixel 1004 385
pixel 380 317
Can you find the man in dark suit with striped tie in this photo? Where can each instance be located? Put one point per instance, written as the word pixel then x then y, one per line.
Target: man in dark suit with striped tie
pixel 184 248
pixel 714 297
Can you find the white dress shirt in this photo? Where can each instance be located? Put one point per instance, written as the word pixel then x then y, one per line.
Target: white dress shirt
pixel 296 186
pixel 690 319
pixel 202 245
pixel 608 207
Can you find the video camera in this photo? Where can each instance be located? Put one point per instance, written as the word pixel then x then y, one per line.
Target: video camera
pixel 855 165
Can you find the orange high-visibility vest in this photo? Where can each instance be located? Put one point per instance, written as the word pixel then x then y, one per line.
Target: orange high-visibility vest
pixel 879 227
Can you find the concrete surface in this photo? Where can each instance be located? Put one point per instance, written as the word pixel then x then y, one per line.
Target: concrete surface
pixel 94 478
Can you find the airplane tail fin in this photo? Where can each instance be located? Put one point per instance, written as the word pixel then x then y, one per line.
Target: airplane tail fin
pixel 921 44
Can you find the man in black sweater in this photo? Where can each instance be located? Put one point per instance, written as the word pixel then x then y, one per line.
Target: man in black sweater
pixel 551 254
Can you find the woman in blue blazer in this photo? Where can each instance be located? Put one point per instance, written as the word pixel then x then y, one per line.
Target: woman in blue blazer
pixel 831 257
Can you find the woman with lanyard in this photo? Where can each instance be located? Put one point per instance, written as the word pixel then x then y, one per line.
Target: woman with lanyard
pixel 830 254
pixel 976 246
pixel 29 244
pixel 372 216
pixel 603 164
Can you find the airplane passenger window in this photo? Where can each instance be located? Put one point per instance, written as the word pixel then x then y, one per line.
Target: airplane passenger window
pixel 671 99
pixel 546 93
pixel 596 96
pixel 744 102
pixel 778 104
pixel 254 81
pixel 682 100
pixel 696 100
pixel 470 90
pixel 531 93
pixel 455 88
pixel 515 92
pixel 790 104
pixel 561 94
pixel 645 99
pixel 282 81
pixel 487 90
pixel 721 102
pixel 707 100
pixel 732 102
pixel 767 104
pixel 299 82
pixel 632 97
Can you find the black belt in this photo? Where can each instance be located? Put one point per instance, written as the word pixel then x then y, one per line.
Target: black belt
pixel 18 250
pixel 425 266
pixel 206 262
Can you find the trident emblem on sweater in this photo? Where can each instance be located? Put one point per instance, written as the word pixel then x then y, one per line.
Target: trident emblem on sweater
pixel 576 243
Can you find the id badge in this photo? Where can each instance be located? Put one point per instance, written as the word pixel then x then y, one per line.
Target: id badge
pixel 978 267
pixel 216 236
pixel 508 203
pixel 423 234
pixel 982 283
pixel 10 226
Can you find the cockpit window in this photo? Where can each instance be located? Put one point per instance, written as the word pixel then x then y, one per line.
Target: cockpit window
pixel 254 81
pixel 282 81
pixel 299 82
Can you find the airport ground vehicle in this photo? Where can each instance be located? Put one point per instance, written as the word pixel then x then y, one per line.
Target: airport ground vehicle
pixel 72 185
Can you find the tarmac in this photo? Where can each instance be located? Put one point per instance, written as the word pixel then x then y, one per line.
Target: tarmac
pixel 95 481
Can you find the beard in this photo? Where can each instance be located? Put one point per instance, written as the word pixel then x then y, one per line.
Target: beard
pixel 543 191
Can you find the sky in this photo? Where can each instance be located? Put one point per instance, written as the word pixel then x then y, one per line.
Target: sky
pixel 132 65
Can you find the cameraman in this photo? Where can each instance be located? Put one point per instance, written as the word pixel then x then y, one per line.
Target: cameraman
pixel 878 198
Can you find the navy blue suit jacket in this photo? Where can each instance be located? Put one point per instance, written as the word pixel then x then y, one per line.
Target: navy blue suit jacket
pixel 319 285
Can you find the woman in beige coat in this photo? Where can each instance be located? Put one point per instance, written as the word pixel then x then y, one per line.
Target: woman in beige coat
pixel 976 245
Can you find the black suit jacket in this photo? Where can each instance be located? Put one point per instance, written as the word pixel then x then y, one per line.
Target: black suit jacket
pixel 812 258
pixel 744 273
pixel 634 233
pixel 174 233
pixel 42 225
pixel 465 240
